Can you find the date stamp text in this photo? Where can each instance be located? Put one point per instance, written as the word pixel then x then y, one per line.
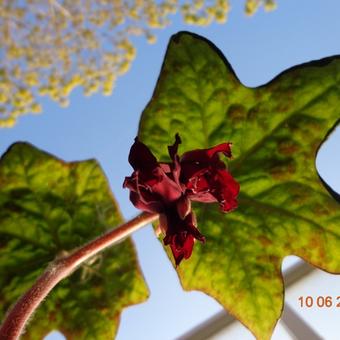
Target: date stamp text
pixel 319 301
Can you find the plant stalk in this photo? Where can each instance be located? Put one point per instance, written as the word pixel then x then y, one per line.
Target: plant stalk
pixel 17 317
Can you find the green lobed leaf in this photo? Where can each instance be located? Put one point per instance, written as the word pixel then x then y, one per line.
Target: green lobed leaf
pixel 276 130
pixel 48 208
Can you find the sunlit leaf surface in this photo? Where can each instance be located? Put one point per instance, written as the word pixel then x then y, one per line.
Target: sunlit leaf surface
pixel 47 208
pixel 284 208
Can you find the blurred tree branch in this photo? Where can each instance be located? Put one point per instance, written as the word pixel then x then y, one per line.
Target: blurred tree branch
pixel 50 47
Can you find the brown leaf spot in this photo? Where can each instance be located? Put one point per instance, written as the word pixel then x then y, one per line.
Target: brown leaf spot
pixel 237 113
pixel 265 241
pixel 287 147
pixel 283 171
pixel 320 210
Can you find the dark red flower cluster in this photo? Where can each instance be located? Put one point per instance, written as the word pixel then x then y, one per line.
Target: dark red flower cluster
pixel 169 188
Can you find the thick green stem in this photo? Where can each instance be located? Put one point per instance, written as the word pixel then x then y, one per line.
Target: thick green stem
pixel 16 319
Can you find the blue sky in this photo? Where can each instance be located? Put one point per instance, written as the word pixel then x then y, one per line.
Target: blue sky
pixel 100 127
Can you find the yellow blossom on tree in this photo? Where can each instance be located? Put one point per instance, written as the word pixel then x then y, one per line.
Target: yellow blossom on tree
pixel 49 48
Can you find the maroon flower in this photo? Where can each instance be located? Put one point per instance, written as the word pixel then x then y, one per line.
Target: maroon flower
pixel 168 188
pixel 206 178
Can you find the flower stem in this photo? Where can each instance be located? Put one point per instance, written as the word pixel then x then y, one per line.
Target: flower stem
pixel 16 319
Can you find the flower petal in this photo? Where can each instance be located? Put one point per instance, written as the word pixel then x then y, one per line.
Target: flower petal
pixel 167 189
pixel 180 234
pixel 183 206
pixel 174 148
pixel 207 179
pixel 175 165
pixel 206 155
pixel 225 189
pixel 224 148
pixel 141 158
pixel 184 251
